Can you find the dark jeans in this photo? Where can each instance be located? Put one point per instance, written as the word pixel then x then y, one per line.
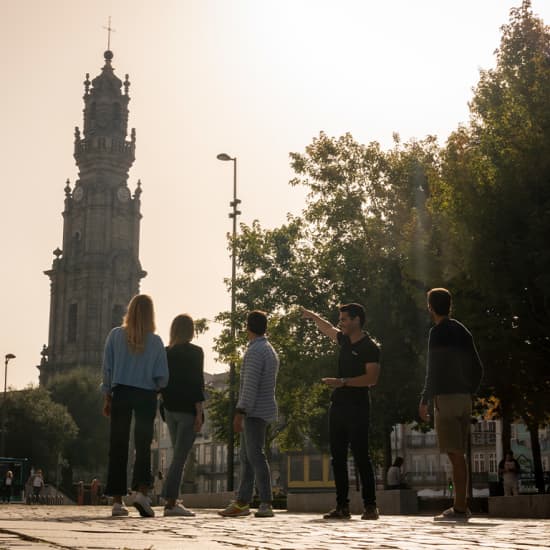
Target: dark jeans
pixel 349 427
pixel 6 493
pixel 142 404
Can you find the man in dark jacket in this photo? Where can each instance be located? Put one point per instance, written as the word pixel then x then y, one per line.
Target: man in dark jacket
pixel 453 376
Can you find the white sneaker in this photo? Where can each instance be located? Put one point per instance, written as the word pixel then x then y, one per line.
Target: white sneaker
pixel 143 505
pixel 452 515
pixel 178 510
pixel 119 510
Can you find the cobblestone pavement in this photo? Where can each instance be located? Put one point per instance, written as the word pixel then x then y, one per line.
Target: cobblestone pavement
pixel 85 527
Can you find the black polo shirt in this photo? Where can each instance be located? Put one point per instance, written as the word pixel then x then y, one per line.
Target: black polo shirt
pixel 351 363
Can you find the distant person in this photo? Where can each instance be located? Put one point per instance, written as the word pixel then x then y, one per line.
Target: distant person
pixel 349 413
pixel 508 471
pixel 134 369
pixel 453 375
pixel 256 408
pixel 94 491
pixel 37 484
pixel 183 399
pixel 394 477
pixel 8 487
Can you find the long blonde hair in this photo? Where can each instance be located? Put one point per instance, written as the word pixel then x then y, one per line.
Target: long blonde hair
pixel 182 330
pixel 139 321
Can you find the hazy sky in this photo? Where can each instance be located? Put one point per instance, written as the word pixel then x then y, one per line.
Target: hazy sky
pixel 253 78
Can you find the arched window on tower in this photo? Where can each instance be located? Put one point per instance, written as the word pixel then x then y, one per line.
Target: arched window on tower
pixel 92 117
pixel 72 323
pixel 117 118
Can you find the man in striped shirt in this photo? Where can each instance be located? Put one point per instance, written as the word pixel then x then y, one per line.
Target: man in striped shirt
pixel 256 408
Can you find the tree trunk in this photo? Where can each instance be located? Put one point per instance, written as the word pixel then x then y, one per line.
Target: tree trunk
pixel 387 451
pixel 537 461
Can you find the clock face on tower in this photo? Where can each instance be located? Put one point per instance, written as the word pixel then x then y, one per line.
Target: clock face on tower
pixel 123 194
pixel 78 193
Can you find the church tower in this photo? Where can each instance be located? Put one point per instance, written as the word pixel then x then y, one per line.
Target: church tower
pixel 97 270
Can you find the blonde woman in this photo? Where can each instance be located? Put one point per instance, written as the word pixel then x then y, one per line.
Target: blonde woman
pixel 134 369
pixel 183 399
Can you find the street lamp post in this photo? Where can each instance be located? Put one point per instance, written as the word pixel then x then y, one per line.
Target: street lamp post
pixel 3 438
pixel 233 214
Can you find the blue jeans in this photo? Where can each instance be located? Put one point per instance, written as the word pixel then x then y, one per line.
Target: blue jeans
pixel 254 466
pixel 182 434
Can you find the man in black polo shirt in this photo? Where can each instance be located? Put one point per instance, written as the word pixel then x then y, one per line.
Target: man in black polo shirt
pixel 358 369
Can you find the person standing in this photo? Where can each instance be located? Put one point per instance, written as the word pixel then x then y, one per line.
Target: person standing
pixel 453 376
pixel 183 399
pixel 256 408
pixel 37 484
pixel 349 413
pixel 508 470
pixel 134 369
pixel 8 486
pixel 394 477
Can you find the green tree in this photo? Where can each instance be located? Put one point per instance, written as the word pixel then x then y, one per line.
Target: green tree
pixel 495 200
pixel 79 391
pixel 347 246
pixel 38 428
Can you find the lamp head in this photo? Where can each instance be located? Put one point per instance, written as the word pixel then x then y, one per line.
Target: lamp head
pixel 10 356
pixel 224 156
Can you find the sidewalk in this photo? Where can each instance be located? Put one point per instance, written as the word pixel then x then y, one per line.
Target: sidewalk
pixel 80 527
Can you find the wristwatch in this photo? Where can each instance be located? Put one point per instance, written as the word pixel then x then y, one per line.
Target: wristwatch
pixel 344 381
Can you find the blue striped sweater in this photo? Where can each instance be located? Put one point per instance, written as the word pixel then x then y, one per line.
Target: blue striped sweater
pixel 258 380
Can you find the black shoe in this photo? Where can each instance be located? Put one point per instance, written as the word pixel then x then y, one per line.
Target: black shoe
pixel 371 512
pixel 340 512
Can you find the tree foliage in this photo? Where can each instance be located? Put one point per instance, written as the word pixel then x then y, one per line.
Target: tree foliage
pixel 79 391
pixel 496 200
pixel 38 428
pixel 381 227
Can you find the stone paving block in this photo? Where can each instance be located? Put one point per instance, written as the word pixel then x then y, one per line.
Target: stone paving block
pixel 72 527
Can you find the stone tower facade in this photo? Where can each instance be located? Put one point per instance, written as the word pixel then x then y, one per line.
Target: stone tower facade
pixel 97 270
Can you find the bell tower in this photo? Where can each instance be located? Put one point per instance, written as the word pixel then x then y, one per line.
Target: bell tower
pixel 97 270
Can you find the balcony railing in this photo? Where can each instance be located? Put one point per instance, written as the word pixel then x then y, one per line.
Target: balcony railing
pixel 484 438
pixel 421 441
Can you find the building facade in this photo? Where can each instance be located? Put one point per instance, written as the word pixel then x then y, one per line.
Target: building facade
pixel 97 270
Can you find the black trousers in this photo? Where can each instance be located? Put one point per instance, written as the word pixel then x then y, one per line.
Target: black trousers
pixel 349 427
pixel 142 404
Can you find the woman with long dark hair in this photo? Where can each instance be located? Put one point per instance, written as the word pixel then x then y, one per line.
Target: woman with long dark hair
pixel 134 370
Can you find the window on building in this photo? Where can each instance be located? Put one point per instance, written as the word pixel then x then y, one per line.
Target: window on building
pixel 71 323
pixel 479 462
pixel 219 458
pixel 492 463
pixel 417 464
pixel 431 461
pixel 208 454
pixel 296 468
pixel 316 468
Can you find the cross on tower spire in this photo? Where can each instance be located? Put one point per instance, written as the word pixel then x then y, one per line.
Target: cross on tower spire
pixel 109 30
